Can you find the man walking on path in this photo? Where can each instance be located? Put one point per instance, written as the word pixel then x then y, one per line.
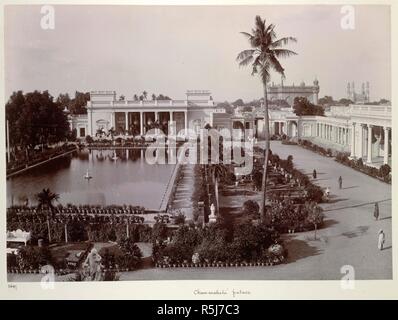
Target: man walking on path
pixel 340 182
pixel 381 240
pixel 376 211
pixel 314 174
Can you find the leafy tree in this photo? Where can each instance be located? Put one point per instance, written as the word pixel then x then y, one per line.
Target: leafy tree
pixel 35 119
pixel 345 101
pixel 238 103
pixel 326 101
pixel 315 215
pixel 64 100
pixel 79 103
pixel 153 96
pixel 303 107
pixel 263 57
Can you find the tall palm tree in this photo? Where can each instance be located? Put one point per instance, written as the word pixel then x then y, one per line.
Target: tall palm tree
pixel 263 58
pixel 45 200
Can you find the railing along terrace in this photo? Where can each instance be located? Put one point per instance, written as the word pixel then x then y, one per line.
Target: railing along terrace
pixel 370 109
pixel 152 103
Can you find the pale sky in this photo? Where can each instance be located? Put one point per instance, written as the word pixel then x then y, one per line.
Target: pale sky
pixel 168 50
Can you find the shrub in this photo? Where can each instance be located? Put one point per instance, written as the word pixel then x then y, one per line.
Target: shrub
pixel 179 218
pixel 359 163
pixel 34 257
pixel 131 254
pixel 384 170
pixel 159 232
pixel 89 139
pixel 314 193
pixel 250 207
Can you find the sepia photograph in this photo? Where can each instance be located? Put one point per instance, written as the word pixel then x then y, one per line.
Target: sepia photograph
pixel 245 142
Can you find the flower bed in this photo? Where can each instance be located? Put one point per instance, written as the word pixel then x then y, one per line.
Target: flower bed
pixel 80 227
pixel 216 246
pixel 382 174
pixel 315 148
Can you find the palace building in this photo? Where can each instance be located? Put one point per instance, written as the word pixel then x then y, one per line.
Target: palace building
pixel 363 131
pixel 288 93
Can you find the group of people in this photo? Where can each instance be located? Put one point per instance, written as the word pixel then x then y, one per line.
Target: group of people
pixel 376 213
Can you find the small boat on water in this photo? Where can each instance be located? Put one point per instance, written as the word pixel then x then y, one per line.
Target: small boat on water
pixel 87 176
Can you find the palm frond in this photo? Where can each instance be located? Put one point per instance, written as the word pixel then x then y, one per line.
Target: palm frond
pixel 282 42
pixel 244 54
pixel 250 36
pixel 275 64
pixel 283 53
pixel 246 61
pixel 260 24
pixel 256 65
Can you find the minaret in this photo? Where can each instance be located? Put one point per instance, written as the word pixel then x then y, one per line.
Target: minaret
pixel 367 91
pixel 353 91
pixel 348 91
pixel 315 91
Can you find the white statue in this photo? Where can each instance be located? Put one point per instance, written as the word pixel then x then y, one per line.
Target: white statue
pixel 93 264
pixel 195 258
pixel 212 216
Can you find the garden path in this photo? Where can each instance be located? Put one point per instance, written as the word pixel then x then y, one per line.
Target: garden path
pixel 349 236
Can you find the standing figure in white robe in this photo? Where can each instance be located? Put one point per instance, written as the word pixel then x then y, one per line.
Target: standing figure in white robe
pixel 382 239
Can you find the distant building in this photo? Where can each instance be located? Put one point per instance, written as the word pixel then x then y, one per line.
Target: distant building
pixel 363 131
pixel 362 97
pixel 129 117
pixel 288 93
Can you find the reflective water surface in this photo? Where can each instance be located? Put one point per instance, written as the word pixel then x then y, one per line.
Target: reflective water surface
pixel 126 180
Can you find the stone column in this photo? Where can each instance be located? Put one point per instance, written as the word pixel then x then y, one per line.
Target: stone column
pixel 386 145
pixel 171 126
pixel 369 151
pixel 340 135
pixel 126 116
pixel 113 120
pixel 186 122
pixel 360 142
pixel 141 123
pixel 90 123
pixel 156 119
pixel 353 140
